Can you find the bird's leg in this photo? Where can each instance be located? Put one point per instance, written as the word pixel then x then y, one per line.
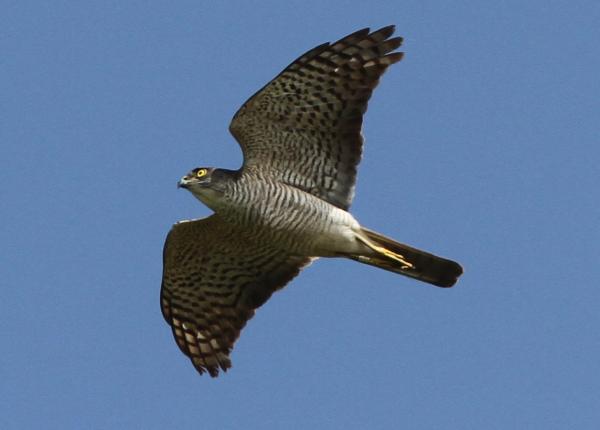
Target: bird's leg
pixel 386 252
pixel 392 255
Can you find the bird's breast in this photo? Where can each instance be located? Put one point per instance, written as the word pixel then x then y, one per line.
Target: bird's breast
pixel 290 218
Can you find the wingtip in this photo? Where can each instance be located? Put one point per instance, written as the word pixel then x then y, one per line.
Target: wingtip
pixel 357 34
pixel 212 370
pixel 389 29
pixel 392 58
pixel 383 33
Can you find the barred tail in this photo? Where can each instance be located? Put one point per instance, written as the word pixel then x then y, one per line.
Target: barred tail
pixel 405 260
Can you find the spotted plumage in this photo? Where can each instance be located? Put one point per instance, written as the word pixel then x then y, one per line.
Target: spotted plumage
pixel 287 205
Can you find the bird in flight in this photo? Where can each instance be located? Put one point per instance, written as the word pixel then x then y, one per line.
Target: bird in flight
pixel 288 203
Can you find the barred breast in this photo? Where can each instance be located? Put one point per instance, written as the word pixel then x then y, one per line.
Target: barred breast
pixel 289 217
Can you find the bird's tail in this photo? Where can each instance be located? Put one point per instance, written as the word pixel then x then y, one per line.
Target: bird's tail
pixel 405 260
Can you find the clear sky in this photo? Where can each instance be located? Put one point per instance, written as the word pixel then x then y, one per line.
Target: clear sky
pixel 482 145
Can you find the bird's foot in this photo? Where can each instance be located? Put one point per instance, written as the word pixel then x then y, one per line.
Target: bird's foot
pixel 392 255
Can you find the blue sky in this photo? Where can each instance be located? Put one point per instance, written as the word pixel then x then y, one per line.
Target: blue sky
pixel 481 145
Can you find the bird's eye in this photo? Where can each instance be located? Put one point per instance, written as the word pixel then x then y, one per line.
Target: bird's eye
pixel 201 172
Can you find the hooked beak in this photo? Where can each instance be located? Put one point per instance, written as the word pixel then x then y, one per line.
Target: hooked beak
pixel 183 182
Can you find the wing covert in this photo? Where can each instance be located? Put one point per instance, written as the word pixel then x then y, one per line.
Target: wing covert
pixel 304 127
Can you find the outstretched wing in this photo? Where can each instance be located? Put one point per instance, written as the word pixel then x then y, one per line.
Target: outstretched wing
pixel 304 126
pixel 213 280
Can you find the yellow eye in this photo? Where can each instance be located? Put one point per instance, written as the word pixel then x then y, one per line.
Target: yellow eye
pixel 201 172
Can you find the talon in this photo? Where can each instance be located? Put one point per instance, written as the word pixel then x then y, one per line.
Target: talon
pixel 399 258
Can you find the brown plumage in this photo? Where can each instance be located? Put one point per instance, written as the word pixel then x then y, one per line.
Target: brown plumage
pixel 287 205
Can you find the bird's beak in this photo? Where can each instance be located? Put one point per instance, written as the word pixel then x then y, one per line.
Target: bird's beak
pixel 183 182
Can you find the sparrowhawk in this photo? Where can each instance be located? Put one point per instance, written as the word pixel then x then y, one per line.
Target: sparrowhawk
pixel 287 205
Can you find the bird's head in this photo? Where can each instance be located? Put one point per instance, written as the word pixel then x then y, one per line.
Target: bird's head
pixel 200 177
pixel 207 184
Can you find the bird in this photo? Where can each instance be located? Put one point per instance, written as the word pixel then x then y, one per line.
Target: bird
pixel 288 203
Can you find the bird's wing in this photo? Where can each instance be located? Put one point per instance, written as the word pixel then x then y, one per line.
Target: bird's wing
pixel 304 127
pixel 213 280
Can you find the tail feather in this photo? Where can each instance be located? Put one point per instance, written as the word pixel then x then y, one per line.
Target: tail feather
pixel 422 265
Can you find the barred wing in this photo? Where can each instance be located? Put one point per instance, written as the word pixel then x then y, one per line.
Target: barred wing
pixel 213 280
pixel 304 127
